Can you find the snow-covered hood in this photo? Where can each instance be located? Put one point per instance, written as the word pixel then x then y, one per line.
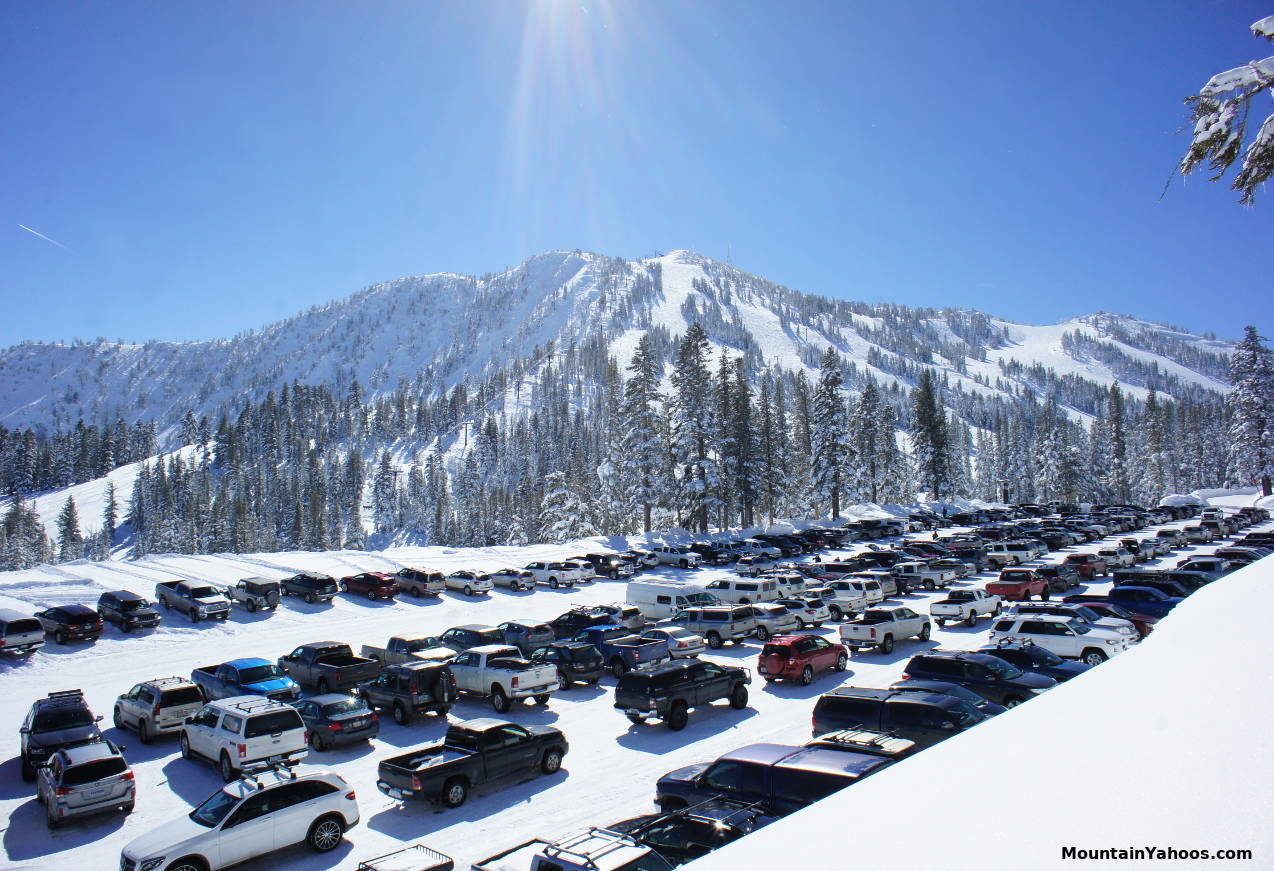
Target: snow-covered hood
pixel 168 839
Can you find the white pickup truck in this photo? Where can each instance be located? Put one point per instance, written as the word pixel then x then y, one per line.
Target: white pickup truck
pixel 881 627
pixel 964 606
pixel 554 575
pixel 681 557
pixel 919 574
pixel 498 672
pixel 850 599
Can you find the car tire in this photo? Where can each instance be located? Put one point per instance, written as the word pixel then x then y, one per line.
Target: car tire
pixel 252 605
pixel 762 633
pixel 1093 656
pixel 188 864
pixel 929 585
pixel 801 624
pixel 837 614
pixel 553 583
pixel 563 682
pixel 542 699
pixel 739 698
pixel 618 668
pixel 143 731
pixel 552 762
pixel 323 686
pixel 685 564
pixel 326 833
pixel 59 636
pixel 925 632
pixel 886 644
pixel 186 752
pixel 714 640
pixel 678 716
pixel 468 591
pixel 807 676
pixel 942 624
pixel 344 587
pixel 1044 595
pixel 842 661
pixel 371 594
pixel 971 620
pixel 117 718
pixel 309 598
pixel 402 716
pixel 226 768
pixel 500 702
pixel 455 791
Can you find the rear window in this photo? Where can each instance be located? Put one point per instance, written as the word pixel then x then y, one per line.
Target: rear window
pixel 780 650
pixel 90 772
pixel 269 724
pixel 180 696
pixel 21 627
pixel 81 617
pixel 633 683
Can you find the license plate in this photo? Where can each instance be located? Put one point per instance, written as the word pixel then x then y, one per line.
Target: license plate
pixel 358 724
pixel 397 793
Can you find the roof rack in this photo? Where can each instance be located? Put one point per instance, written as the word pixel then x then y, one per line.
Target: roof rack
pixel 249 707
pixel 620 841
pixel 165 681
pixel 253 770
pixel 66 695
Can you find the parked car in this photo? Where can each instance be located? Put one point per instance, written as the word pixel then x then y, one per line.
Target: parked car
pixel 658 600
pixel 462 638
pixel 311 586
pixel 68 623
pixel 925 718
pixel 337 719
pixel 84 780
pixel 800 658
pixel 584 567
pixel 744 592
pixel 575 661
pixel 19 633
pixel 157 707
pixel 1059 578
pixel 499 673
pixel 779 778
pixel 959 567
pixel 472 753
pixel 249 676
pixel 1081 612
pixel 126 610
pixel 513 579
pixel 553 574
pixel 993 679
pixel 774 619
pixel 808 611
pixel 247 819
pixel 236 732
pixel 1067 637
pixel 1174 537
pixel 197 601
pixel 718 623
pixel 621 650
pixel 469 583
pixel 577 619
pixel 882 627
pixel 946 688
pixel 1030 657
pixel 671 690
pixel 1088 565
pixel 609 565
pixel 373 585
pixel 1144 600
pixel 751 566
pixel 62 719
pixel 526 635
pixel 681 557
pixel 714 554
pixel 326 666
pixel 1117 557
pixel 1143 623
pixel 419 583
pixel 682 643
pixel 411 688
pixel 964 606
pixel 851 597
pixel 623 614
pixel 1018 585
pixel 916 575
pixel 409 648
pixel 1156 580
pixel 255 594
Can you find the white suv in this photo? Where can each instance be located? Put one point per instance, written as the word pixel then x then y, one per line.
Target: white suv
pixel 249 818
pixel 241 730
pixel 1067 637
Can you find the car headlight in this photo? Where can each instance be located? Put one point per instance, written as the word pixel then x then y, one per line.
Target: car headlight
pixel 151 864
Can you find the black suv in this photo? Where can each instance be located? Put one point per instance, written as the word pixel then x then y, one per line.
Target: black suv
pixel 670 690
pixel 1151 578
pixel 687 834
pixel 569 624
pixel 310 586
pixel 713 554
pixel 71 623
pixel 609 565
pixel 576 661
pixel 61 720
pixel 129 610
pixel 925 718
pixel 992 678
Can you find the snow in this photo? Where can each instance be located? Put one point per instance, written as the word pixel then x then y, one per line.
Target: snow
pixel 1164 746
pixel 1264 27
pixel 608 775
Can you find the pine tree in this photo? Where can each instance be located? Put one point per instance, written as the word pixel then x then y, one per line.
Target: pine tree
pixel 563 515
pixel 110 510
pixel 1251 408
pixel 644 442
pixel 930 437
pixel 693 427
pixel 829 434
pixel 70 539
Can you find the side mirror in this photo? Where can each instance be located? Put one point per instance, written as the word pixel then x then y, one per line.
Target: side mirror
pixel 24 731
pixel 188 720
pixel 97 719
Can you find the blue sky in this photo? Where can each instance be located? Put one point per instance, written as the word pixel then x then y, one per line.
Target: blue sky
pixel 213 167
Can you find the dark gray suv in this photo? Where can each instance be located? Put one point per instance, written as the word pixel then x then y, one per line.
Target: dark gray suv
pixel 61 720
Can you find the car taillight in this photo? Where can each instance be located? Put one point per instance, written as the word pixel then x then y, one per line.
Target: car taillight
pixel 375 717
pixel 243 749
pixel 154 712
pixel 62 790
pixel 334 727
pixel 873 633
pixel 415 783
pixel 515 681
pixel 351 794
pixel 128 775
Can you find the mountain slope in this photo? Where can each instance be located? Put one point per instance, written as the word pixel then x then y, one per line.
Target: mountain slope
pixel 439 329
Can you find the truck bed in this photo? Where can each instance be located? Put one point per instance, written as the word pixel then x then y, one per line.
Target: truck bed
pixel 425 758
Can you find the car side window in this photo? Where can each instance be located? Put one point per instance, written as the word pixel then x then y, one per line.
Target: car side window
pixel 252 807
pixel 466 659
pixel 731 776
pixel 206 717
pixel 231 724
pixel 819 644
pixel 146 696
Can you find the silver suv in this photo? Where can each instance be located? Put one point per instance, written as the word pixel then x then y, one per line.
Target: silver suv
pixel 157 707
pixel 78 781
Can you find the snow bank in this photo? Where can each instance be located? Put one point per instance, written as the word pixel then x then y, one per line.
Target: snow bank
pixel 1234 497
pixel 1164 746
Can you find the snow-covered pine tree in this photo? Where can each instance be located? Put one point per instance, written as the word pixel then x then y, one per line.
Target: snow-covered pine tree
pixel 70 538
pixel 110 512
pixel 930 437
pixel 645 449
pixel 1251 408
pixel 693 429
pixel 563 515
pixel 748 476
pixel 799 500
pixel 829 436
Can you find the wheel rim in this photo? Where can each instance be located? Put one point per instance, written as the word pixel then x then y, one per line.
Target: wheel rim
pixel 561 681
pixel 455 794
pixel 327 835
pixel 807 675
pixel 400 715
pixel 227 772
pixel 841 662
pixel 117 719
pixel 552 762
pixel 309 597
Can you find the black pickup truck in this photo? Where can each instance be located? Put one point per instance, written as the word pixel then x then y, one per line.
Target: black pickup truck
pixel 472 753
pixel 670 690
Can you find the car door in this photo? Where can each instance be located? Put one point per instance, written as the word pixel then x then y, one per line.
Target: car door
pixel 200 731
pixel 915 721
pixel 248 831
pixel 291 807
pixel 713 682
pixel 128 706
pixel 465 669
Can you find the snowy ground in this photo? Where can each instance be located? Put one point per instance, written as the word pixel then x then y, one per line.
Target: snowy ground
pixel 609 773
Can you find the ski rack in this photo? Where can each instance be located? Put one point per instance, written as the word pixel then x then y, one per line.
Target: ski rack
pixel 249 707
pixel 253 770
pixel 65 695
pixel 589 860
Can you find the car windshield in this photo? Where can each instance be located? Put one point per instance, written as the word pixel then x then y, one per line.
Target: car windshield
pixel 344 706
pixel 417 644
pixel 1040 656
pixel 215 809
pixel 701 599
pixel 259 673
pixel 202 592
pixel 133 604
pixel 62 718
pixel 965 714
pixel 1003 670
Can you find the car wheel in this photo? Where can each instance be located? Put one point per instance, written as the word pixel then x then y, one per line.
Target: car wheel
pixel 117 717
pixel 226 767
pixel 800 624
pixel 371 594
pixel 454 792
pixel 1044 595
pixel 971 620
pixel 563 682
pixel 553 583
pixel 1094 657
pixel 996 612
pixel 468 591
pixel 542 699
pixel 684 564
pixel 252 605
pixel 617 668
pixel 499 700
pixel 762 633
pixel 942 624
pixel 677 717
pixel 924 632
pixel 59 637
pixel 187 865
pixel 309 598
pixel 185 747
pixel 344 587
pixel 323 686
pixel 143 732
pixel 714 640
pixel 837 614
pixel 326 833
pixel 807 676
pixel 551 762
pixel 1013 701
pixel 401 715
pixel 929 585
pixel 739 698
pixel 887 644
pixel 842 661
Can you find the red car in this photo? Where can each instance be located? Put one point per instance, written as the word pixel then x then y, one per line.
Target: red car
pixel 1088 565
pixel 1018 585
pixel 800 657
pixel 374 585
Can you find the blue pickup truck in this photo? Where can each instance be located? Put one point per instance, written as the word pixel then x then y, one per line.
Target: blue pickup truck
pixel 246 677
pixel 621 650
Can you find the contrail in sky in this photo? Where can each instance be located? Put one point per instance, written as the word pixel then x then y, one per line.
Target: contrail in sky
pixel 44 237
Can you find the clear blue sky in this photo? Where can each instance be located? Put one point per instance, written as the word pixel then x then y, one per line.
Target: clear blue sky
pixel 210 167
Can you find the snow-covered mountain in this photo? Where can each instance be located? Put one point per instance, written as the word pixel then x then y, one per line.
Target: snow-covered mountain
pixel 440 329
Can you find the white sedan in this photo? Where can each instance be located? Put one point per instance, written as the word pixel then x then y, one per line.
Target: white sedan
pixel 682 643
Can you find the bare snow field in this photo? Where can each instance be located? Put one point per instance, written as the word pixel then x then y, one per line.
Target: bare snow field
pixel 1096 758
